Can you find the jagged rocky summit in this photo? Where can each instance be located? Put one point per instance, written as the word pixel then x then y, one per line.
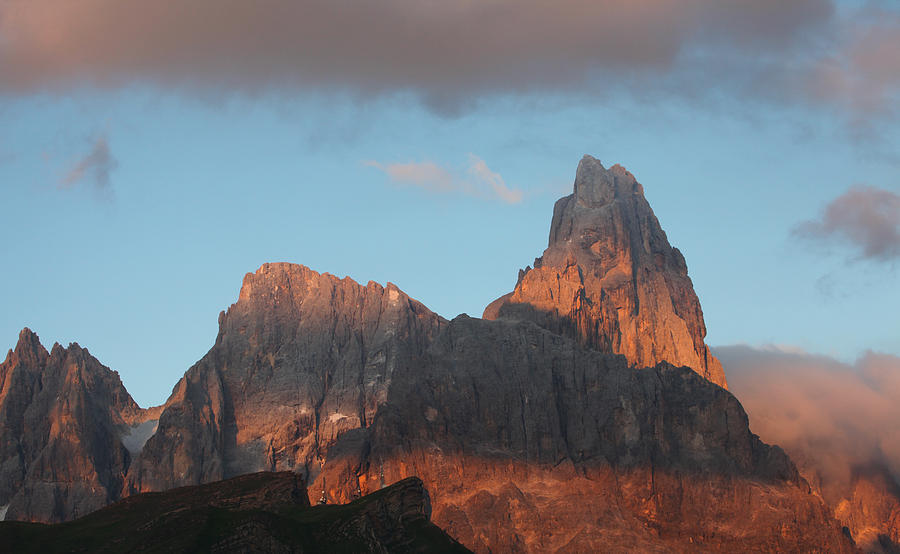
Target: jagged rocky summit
pixel 610 278
pixel 530 435
pixel 66 426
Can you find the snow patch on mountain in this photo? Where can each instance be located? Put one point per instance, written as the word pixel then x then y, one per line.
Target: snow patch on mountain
pixel 136 436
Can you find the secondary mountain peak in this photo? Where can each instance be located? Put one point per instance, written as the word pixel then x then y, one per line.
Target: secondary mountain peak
pixel 62 415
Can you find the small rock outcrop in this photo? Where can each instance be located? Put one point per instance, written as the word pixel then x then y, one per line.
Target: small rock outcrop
pixel 610 278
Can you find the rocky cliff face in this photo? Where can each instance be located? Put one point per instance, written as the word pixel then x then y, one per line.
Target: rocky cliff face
pixel 62 419
pixel 530 443
pixel 610 278
pixel 301 358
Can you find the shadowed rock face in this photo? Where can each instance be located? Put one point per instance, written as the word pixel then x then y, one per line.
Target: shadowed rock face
pixel 610 278
pixel 61 417
pixel 261 512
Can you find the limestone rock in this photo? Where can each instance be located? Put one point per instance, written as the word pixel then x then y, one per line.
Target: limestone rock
pixel 610 278
pixel 530 443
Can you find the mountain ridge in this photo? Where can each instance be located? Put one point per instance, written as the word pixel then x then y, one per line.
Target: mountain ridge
pixel 505 419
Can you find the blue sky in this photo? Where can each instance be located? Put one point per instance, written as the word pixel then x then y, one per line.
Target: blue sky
pixel 137 192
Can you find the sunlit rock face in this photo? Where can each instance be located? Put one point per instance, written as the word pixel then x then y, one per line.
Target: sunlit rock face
pixel 610 278
pixel 871 509
pixel 866 500
pixel 61 417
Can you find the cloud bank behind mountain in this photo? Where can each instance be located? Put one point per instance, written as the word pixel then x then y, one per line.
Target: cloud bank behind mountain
pixel 831 417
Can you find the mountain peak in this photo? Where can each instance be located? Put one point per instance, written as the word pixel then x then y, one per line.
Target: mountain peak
pixel 596 186
pixel 29 347
pixel 27 337
pixel 610 278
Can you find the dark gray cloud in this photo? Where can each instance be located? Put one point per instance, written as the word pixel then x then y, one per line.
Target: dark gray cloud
pixel 832 418
pixel 865 218
pixel 449 52
pixel 93 168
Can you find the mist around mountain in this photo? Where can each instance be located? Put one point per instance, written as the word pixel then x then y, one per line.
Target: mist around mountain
pixel 838 422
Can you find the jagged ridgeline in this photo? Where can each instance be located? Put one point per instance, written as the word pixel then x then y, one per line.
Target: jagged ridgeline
pixel 583 413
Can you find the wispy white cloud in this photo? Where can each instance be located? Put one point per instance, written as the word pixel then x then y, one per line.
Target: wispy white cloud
pixel 478 180
pixel 481 173
pixel 93 168
pixel 426 175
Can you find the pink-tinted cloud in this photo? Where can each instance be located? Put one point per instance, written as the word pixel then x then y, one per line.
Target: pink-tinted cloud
pixel 832 418
pixel 479 180
pixel 447 51
pixel 427 175
pixel 866 218
pixel 93 168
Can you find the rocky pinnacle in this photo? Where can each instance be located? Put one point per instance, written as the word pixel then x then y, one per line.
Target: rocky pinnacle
pixel 610 278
